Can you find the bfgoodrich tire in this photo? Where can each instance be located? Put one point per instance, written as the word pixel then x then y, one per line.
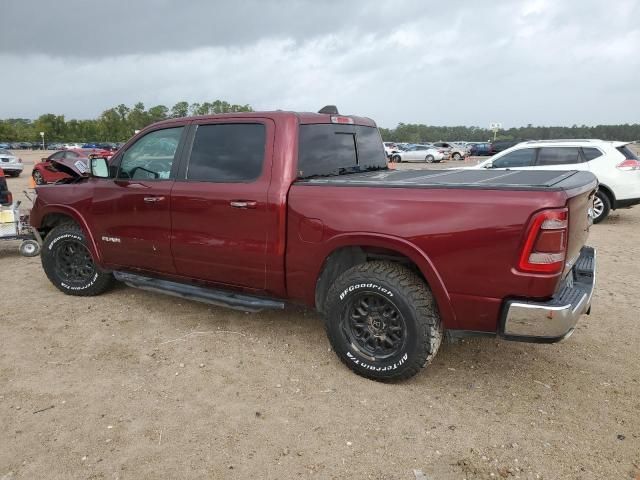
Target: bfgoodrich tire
pixel 68 263
pixel 382 321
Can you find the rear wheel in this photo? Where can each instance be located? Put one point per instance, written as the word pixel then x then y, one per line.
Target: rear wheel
pixel 457 156
pixel 601 206
pixel 68 263
pixel 396 159
pixel 382 321
pixel 38 178
pixel 429 159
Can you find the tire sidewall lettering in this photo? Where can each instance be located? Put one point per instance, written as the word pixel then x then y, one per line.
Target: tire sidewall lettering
pixel 374 286
pixel 51 248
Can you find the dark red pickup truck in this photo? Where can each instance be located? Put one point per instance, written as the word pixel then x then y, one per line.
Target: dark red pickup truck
pixel 254 210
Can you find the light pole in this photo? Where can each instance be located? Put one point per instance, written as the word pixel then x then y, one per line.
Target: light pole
pixel 42 135
pixel 495 126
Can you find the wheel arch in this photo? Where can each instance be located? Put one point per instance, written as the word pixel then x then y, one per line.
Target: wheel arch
pixel 609 193
pixel 61 214
pixel 345 252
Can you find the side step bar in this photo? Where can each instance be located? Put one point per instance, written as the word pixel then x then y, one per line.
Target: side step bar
pixel 223 298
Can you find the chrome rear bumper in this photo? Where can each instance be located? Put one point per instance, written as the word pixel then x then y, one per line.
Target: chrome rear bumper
pixel 553 320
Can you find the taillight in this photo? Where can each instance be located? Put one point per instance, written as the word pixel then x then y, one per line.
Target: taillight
pixel 545 246
pixel 629 164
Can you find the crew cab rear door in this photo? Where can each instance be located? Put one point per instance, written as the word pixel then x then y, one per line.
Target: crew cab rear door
pixel 221 221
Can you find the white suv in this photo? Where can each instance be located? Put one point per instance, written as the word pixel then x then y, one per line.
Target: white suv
pixel 614 163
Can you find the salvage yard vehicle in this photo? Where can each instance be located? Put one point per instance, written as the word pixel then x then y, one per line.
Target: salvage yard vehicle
pixel 63 164
pixel 614 164
pixel 256 210
pixel 419 153
pixel 10 164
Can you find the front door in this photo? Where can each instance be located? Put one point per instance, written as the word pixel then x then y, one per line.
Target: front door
pixel 131 212
pixel 219 206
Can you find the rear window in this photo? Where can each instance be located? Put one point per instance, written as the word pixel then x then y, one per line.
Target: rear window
pixel 227 153
pixel 591 153
pixel 627 152
pixel 328 149
pixel 558 156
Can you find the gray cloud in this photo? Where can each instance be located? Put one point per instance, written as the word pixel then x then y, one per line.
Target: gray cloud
pixel 518 62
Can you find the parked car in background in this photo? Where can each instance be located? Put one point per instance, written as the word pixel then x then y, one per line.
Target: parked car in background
pixel 72 146
pixel 10 164
pixel 389 148
pixel 418 153
pixel 614 163
pixel 481 149
pixel 5 146
pixel 502 145
pixel 56 166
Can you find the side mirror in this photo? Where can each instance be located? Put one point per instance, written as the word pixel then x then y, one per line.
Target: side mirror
pixel 488 165
pixel 99 168
pixel 44 159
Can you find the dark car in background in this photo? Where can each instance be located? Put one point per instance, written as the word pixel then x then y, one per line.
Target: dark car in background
pixel 484 149
pixel 501 145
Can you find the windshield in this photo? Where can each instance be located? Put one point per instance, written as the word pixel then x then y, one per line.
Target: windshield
pixel 330 149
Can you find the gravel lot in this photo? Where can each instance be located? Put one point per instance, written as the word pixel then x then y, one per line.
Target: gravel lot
pixel 134 385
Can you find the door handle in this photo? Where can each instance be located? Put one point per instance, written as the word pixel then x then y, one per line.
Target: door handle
pixel 243 203
pixel 153 199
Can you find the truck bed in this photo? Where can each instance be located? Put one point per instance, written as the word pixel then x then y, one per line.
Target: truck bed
pixel 546 180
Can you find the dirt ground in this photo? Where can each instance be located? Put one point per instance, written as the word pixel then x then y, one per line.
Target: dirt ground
pixel 136 385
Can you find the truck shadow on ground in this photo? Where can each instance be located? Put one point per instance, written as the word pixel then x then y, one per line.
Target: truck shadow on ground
pixel 464 362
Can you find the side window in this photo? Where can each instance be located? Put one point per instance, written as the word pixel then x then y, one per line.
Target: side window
pixel 152 156
pixel 56 156
pixel 225 153
pixel 518 158
pixel 591 153
pixel 558 156
pixel 70 154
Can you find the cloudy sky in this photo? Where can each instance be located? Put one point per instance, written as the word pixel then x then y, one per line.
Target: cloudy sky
pixel 546 62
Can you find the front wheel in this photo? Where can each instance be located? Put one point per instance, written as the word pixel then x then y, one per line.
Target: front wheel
pixel 68 263
pixel 382 321
pixel 456 156
pixel 38 178
pixel 396 159
pixel 429 159
pixel 601 206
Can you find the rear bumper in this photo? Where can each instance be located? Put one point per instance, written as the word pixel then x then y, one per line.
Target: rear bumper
pixel 555 319
pixel 12 167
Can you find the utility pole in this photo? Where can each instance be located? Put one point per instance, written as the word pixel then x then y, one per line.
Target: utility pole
pixel 495 126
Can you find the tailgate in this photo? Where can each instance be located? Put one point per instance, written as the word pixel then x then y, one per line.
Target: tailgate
pixel 580 205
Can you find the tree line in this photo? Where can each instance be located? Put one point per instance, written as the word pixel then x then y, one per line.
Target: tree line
pixel 418 133
pixel 116 124
pixel 119 123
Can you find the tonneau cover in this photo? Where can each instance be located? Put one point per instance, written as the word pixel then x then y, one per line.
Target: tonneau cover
pixel 550 180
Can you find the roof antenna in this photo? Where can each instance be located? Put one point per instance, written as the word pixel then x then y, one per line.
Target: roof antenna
pixel 329 109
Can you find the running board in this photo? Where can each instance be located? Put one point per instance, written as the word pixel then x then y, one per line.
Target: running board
pixel 223 298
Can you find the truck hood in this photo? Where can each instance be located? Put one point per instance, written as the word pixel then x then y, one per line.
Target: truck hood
pixel 76 167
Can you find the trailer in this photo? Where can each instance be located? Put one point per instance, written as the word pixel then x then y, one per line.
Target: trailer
pixel 14 225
